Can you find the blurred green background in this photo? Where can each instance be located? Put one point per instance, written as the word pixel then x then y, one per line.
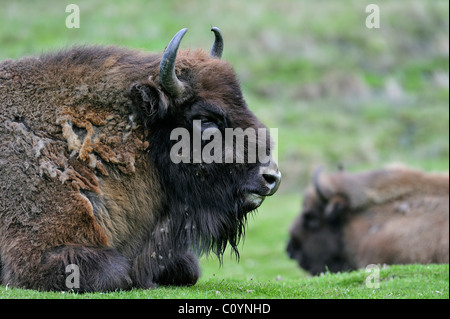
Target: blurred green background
pixel 338 92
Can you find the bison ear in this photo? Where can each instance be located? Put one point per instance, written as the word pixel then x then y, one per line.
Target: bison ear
pixel 336 208
pixel 148 101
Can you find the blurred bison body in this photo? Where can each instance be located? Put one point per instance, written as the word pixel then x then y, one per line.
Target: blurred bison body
pixel 392 216
pixel 85 170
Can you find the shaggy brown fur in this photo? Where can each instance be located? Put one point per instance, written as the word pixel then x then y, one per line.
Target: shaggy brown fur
pixel 85 177
pixel 390 216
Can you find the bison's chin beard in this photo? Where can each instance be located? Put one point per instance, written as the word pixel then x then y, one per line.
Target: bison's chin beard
pixel 216 229
pixel 210 229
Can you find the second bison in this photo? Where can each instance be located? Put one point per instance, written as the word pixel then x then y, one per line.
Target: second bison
pixel 390 216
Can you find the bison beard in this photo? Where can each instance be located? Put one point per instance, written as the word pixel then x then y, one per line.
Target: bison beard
pixel 204 217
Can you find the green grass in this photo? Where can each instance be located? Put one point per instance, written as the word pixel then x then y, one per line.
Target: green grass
pixel 395 282
pixel 338 93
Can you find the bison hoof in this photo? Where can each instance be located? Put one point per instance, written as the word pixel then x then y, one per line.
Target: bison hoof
pixel 181 271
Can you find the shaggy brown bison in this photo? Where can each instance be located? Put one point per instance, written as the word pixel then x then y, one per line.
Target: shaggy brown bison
pixel 391 216
pixel 87 177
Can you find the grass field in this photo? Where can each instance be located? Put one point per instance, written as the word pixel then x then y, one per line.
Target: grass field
pixel 338 92
pixel 396 282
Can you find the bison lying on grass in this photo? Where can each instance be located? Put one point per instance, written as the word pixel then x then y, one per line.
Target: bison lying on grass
pixel 87 177
pixel 393 216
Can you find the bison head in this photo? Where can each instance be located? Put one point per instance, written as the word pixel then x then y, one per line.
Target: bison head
pixel 194 92
pixel 316 234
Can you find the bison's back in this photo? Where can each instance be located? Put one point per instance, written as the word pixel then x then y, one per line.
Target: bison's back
pixel 411 230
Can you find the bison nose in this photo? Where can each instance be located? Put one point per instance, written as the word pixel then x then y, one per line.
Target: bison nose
pixel 272 178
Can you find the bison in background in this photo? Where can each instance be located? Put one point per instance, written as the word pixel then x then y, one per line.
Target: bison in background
pixel 391 216
pixel 86 177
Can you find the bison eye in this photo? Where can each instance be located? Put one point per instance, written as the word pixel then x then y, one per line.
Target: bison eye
pixel 208 124
pixel 311 220
pixel 210 115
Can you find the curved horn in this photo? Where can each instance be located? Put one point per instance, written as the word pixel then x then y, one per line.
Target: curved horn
pixel 315 180
pixel 217 48
pixel 167 77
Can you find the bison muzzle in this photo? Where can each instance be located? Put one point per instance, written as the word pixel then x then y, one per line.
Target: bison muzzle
pixel 86 177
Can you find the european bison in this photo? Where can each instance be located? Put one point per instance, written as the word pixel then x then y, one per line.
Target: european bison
pixel 391 216
pixel 87 177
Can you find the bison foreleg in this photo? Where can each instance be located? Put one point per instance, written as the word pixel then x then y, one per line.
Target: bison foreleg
pixel 69 267
pixel 153 269
pixel 99 269
pixel 180 271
